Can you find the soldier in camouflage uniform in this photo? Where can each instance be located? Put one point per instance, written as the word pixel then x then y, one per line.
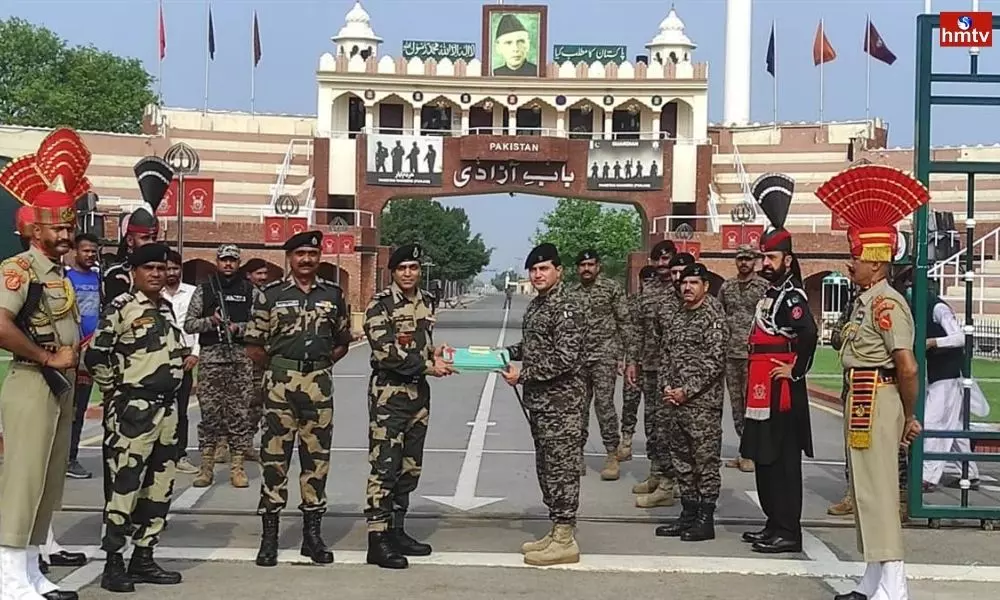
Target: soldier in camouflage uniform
pixel 739 297
pixel 398 323
pixel 299 328
pixel 657 298
pixel 225 379
pixel 552 351
pixel 692 375
pixel 608 334
pixel 632 391
pixel 137 360
pixel 257 273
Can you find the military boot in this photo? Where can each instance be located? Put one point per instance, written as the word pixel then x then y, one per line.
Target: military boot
pixel 536 545
pixel 663 495
pixel 206 471
pixel 625 448
pixel 611 470
pixel 703 527
pixel 689 513
pixel 252 455
pixel 563 549
pixel 222 454
pixel 646 486
pixel 115 578
pixel 844 507
pixel 267 556
pixel 406 545
pixel 312 540
pixel 237 474
pixel 143 569
pixel 381 552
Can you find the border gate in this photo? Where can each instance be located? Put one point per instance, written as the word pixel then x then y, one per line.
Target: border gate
pixel 925 165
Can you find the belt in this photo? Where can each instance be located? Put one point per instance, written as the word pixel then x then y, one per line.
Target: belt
pixel 884 375
pixel 770 348
pixel 383 377
pixel 302 366
pixel 151 396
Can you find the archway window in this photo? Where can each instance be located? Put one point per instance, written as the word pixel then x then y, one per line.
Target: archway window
pixel 581 123
pixel 625 123
pixel 435 119
pixel 355 116
pixel 529 120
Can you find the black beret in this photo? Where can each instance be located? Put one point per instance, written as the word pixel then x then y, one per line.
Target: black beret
pixel 254 264
pixel 405 253
pixel 149 253
pixel 646 273
pixel 542 253
pixel 662 248
pixel 588 254
pixel 683 259
pixel 695 270
pixel 306 239
pixel 175 257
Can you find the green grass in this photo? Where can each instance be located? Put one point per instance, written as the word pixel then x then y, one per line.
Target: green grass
pixel 826 373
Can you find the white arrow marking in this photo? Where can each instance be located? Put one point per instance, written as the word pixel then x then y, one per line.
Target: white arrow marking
pixel 465 498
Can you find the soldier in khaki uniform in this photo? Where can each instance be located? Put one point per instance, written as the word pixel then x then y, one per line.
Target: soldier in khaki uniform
pixel 877 351
pixel 39 325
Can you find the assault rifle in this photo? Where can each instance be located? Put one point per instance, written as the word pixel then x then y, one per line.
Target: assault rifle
pixel 223 326
pixel 54 378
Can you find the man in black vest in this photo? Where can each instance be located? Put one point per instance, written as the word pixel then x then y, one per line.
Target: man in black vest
pixel 219 313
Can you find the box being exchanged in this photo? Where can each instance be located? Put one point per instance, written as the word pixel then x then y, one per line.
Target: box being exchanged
pixel 477 358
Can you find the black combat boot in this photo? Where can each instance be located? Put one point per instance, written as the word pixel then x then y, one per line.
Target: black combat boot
pixel 312 541
pixel 703 527
pixel 115 578
pixel 267 556
pixel 689 513
pixel 405 544
pixel 381 551
pixel 143 569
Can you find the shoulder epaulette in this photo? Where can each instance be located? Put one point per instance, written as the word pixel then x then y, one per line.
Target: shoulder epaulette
pixel 382 294
pixel 273 284
pixel 121 300
pixel 328 282
pixel 18 260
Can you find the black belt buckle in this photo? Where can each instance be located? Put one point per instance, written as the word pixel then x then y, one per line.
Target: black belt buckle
pixel 306 366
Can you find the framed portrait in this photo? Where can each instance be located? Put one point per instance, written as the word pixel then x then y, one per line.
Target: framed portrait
pixel 515 40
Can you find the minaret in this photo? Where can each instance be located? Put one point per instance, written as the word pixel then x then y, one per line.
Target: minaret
pixel 671 44
pixel 737 85
pixel 357 36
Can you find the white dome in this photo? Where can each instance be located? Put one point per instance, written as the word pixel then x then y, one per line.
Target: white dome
pixel 671 33
pixel 357 26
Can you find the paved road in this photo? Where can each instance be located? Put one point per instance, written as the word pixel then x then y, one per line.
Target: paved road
pixel 478 500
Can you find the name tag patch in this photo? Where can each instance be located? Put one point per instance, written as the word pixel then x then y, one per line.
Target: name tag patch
pixel 286 304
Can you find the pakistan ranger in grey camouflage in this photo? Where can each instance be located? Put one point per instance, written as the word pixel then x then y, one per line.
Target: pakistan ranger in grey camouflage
pixel 632 391
pixel 551 351
pixel 739 297
pixel 398 323
pixel 691 377
pixel 657 299
pixel 609 327
pixel 299 329
pixel 137 360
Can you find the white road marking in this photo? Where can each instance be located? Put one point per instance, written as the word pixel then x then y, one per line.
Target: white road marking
pixel 82 577
pixel 609 563
pixel 465 498
pixel 188 498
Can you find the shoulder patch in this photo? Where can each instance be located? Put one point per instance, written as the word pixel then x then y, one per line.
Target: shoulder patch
pixel 18 261
pixel 14 279
pixel 329 282
pixel 121 300
pixel 882 308
pixel 273 284
pixel 382 294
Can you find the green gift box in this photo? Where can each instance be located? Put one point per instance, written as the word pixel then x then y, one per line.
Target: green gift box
pixel 477 358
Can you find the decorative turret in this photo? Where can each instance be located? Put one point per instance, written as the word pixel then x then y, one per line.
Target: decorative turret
pixel 671 44
pixel 357 37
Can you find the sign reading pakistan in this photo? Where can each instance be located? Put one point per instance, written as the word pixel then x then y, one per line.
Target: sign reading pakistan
pixel 439 51
pixel 576 54
pixel 625 165
pixel 404 160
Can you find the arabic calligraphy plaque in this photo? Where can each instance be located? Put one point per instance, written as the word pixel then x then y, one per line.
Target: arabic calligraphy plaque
pixel 585 54
pixel 476 174
pixel 520 147
pixel 439 51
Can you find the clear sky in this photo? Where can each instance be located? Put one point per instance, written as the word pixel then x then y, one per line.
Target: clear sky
pixel 294 33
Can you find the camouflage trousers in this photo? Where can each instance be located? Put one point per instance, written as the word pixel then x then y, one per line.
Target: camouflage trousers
pixel 297 405
pixel 256 412
pixel 736 386
pixel 631 398
pixel 141 450
pixel 556 433
pixel 696 449
pixel 398 414
pixel 600 378
pixel 225 393
pixel 659 427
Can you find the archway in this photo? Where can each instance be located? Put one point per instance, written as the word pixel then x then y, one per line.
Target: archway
pixel 328 271
pixel 677 120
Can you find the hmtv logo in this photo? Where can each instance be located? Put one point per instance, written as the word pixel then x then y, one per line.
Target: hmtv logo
pixel 966 29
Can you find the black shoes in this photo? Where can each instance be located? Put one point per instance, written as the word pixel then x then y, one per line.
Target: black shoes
pixel 405 544
pixel 383 552
pixel 143 569
pixel 267 555
pixel 313 546
pixel 689 513
pixel 851 596
pixel 752 537
pixel 703 528
pixel 777 545
pixel 60 595
pixel 115 578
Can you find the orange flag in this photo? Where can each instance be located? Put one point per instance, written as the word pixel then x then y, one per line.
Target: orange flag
pixel 823 51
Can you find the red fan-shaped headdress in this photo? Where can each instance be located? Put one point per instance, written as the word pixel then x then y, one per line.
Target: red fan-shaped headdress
pixel 872 199
pixel 51 179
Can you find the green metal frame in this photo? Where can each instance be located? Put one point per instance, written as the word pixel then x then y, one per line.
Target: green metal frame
pixel 925 165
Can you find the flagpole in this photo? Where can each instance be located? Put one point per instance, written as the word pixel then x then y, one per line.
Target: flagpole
pixel 159 52
pixel 208 33
pixel 868 67
pixel 253 62
pixel 774 77
pixel 822 64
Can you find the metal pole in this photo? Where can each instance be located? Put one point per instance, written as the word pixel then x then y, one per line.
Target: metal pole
pixel 180 214
pixel 337 277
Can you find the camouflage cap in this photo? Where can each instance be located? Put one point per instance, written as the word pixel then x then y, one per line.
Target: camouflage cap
pixel 747 251
pixel 228 251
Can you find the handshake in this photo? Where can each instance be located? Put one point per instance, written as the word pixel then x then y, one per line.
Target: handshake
pixel 442 366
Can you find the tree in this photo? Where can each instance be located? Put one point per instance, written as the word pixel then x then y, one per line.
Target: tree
pixel 500 280
pixel 443 233
pixel 44 82
pixel 577 225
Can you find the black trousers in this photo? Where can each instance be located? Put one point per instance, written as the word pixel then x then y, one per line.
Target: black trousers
pixel 779 488
pixel 183 398
pixel 81 401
